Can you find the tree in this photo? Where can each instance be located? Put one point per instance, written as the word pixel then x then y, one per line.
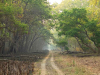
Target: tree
pixel 10 24
pixel 62 43
pixel 72 24
pixel 94 29
pixel 69 4
pixel 22 23
pixel 93 9
pixel 35 14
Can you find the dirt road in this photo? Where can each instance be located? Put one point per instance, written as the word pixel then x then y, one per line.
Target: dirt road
pixel 48 67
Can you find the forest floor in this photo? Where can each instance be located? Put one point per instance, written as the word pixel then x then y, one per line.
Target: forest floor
pixel 68 64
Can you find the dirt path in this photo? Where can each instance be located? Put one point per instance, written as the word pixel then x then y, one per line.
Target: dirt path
pixel 55 67
pixel 43 66
pixel 48 66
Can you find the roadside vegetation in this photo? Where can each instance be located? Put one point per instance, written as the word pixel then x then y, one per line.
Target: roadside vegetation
pixel 77 65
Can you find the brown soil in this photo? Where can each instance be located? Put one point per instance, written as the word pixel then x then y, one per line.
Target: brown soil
pixel 49 68
pixel 91 63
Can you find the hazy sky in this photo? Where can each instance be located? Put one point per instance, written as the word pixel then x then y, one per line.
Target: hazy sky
pixel 52 1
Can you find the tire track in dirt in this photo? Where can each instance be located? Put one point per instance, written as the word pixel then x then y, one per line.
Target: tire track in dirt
pixel 48 66
pixel 43 66
pixel 50 69
pixel 55 67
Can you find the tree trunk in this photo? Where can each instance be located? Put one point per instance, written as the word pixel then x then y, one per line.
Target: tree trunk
pixel 94 51
pixel 79 43
pixel 98 50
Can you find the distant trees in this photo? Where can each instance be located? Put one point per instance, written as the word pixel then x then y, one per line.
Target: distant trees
pixel 69 4
pixel 62 43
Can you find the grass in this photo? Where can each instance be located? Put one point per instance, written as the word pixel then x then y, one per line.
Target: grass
pixel 80 71
pixel 37 70
pixel 69 65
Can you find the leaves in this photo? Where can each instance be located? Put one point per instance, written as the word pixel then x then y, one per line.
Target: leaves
pixel 95 30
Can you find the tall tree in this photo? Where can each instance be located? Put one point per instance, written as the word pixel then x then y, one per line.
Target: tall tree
pixel 72 23
pixel 22 22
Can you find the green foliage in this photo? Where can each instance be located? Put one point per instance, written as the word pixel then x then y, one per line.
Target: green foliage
pixel 21 27
pixel 40 8
pixel 75 21
pixel 23 20
pixel 9 12
pixel 69 4
pixel 66 48
pixel 94 28
pixel 72 22
pixel 62 42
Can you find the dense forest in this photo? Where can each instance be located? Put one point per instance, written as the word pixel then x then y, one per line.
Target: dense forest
pixel 29 25
pixel 23 25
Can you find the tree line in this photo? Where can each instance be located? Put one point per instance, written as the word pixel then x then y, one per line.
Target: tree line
pixel 25 25
pixel 22 25
pixel 77 23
